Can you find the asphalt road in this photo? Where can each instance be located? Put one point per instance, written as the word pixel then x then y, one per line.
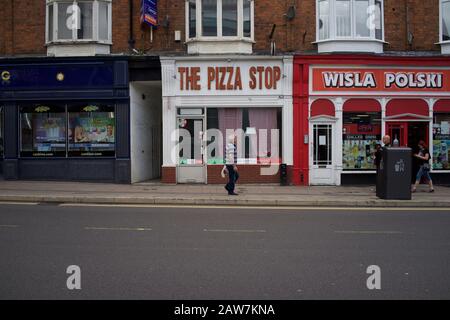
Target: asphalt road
pixel 222 253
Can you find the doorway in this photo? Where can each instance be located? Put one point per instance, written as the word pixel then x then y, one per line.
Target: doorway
pixel 191 133
pixel 408 134
pixel 322 172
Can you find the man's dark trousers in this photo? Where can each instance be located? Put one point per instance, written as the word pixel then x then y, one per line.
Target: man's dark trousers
pixel 231 179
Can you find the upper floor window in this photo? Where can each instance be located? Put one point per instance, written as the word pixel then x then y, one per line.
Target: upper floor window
pixel 78 20
pixel 350 20
pixel 219 20
pixel 445 20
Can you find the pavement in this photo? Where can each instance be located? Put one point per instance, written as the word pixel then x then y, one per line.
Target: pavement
pixel 156 193
pixel 190 253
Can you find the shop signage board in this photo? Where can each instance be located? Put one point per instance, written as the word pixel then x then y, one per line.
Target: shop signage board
pixel 149 12
pixel 388 80
pixel 238 78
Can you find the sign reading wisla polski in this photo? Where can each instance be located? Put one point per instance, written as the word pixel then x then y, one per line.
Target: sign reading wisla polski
pixel 149 12
pixel 388 80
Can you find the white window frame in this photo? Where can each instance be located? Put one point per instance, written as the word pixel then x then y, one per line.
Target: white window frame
pixel 441 22
pixel 219 37
pixel 333 23
pixel 95 23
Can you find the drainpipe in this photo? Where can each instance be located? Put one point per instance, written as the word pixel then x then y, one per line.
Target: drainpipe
pixel 131 40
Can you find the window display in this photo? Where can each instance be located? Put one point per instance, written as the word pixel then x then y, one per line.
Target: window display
pixel 361 134
pixel 256 125
pixel 441 141
pixel 42 131
pixel 91 130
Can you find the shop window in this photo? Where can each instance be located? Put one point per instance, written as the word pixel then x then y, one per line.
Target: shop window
pixel 354 24
pixel 91 130
pixel 258 131
pixel 441 141
pixel 85 22
pixel 323 146
pixel 361 134
pixel 1 133
pixel 211 23
pixel 42 130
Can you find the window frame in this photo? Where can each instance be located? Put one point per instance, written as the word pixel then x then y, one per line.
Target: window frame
pixel 240 23
pixel 441 22
pixel 95 23
pixel 332 23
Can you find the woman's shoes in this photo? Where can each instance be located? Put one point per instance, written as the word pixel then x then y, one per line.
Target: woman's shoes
pixel 413 190
pixel 432 190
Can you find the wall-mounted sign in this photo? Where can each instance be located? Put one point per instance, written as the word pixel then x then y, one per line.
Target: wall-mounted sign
pixel 387 80
pixel 229 78
pixel 149 12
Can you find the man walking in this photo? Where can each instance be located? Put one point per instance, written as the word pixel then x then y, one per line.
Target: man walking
pixel 231 168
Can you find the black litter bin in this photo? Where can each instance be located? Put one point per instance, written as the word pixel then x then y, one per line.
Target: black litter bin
pixel 394 174
pixel 283 174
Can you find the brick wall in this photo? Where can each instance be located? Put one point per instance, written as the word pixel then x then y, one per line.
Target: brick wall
pixel 168 175
pixel 22 27
pixel 247 174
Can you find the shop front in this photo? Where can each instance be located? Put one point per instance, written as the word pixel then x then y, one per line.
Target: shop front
pixel 207 101
pixel 65 119
pixel 349 105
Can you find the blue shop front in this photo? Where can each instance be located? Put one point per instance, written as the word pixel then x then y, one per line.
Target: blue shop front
pixel 65 119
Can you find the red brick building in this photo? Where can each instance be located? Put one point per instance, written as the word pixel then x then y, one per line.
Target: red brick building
pixel 239 34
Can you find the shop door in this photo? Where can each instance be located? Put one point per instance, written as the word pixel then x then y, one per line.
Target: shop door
pixel 191 165
pixel 322 172
pixel 416 131
pixel 409 134
pixel 398 131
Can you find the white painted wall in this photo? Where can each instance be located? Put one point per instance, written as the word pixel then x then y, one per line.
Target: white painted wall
pixel 145 130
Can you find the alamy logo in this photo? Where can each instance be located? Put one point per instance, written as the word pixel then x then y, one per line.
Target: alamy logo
pixel 374 280
pixel 73 21
pixel 74 280
pixel 374 20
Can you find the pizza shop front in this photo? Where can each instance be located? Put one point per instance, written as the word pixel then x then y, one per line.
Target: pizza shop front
pixel 208 99
pixel 351 106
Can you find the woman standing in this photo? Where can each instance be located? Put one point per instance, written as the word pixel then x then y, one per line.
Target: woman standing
pixel 424 171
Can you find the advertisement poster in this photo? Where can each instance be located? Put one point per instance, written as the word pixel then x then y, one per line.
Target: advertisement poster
pixel 49 135
pixel 441 154
pixel 358 153
pixel 92 136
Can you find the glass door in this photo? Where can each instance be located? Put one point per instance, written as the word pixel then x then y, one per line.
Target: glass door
pixel 191 145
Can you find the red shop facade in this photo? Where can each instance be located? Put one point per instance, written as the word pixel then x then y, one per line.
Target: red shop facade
pixel 344 104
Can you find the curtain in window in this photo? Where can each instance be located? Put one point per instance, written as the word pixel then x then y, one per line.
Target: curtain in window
pixel 362 18
pixel 343 18
pixel 324 19
pixel 263 118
